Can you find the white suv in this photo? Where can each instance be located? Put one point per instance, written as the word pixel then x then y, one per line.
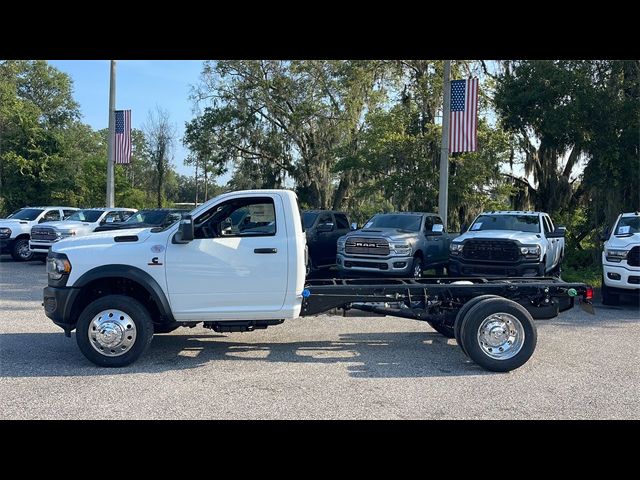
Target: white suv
pixel 621 259
pixel 80 223
pixel 15 230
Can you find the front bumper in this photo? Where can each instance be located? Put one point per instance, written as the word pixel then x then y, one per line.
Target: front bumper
pixel 625 279
pixel 462 267
pixel 39 247
pixel 5 244
pixel 58 306
pixel 396 266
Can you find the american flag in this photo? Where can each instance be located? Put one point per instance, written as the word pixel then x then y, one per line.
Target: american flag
pixel 123 136
pixel 463 123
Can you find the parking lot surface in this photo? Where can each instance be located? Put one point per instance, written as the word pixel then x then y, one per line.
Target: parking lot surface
pixel 326 367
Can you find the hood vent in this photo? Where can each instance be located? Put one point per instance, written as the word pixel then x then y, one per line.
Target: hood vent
pixel 126 238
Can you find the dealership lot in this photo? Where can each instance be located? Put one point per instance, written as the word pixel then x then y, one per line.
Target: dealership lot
pixel 320 367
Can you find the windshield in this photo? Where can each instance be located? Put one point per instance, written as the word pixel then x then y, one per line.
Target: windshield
pixel 628 225
pixel 401 222
pixel 86 216
pixel 27 214
pixel 308 218
pixel 518 223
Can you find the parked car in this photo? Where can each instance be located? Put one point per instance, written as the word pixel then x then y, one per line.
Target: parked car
pixel 78 224
pixel 323 228
pixel 621 259
pixel 155 217
pixel 401 244
pixel 508 243
pixel 15 230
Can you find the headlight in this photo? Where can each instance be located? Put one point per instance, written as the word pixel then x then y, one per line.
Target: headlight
pixel 5 232
pixel 66 233
pixel 455 248
pixel 616 255
pixel 341 244
pixel 58 266
pixel 400 248
pixel 530 252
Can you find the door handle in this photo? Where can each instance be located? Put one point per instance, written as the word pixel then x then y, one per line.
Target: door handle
pixel 265 250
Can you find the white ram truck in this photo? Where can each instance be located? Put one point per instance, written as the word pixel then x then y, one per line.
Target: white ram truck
pixel 508 243
pixel 621 259
pixel 82 222
pixel 15 231
pixel 117 288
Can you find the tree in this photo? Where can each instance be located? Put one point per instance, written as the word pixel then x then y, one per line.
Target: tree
pixel 160 135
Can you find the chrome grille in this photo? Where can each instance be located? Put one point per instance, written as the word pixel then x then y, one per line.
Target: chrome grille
pixel 43 233
pixel 500 250
pixel 366 246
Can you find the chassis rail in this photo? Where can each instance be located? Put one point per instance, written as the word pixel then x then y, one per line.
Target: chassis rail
pixel 432 298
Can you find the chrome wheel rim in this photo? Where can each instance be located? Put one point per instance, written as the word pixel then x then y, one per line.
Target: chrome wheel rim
pixel 23 250
pixel 112 333
pixel 501 336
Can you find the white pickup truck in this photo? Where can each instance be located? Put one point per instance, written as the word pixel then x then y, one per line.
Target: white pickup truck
pixel 508 243
pixel 118 288
pixel 15 231
pixel 621 259
pixel 82 222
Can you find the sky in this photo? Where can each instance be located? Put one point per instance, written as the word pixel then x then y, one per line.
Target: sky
pixel 140 86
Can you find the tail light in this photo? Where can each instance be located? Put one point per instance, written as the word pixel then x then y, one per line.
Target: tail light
pixel 588 295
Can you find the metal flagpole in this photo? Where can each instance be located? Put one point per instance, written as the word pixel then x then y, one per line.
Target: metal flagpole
pixel 443 194
pixel 110 145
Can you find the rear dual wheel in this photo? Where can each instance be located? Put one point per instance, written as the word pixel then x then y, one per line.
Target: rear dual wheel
pixel 498 334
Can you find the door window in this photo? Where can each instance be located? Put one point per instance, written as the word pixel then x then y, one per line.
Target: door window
pixel 325 219
pixel 341 221
pixel 546 223
pixel 241 217
pixel 68 213
pixel 50 216
pixel 112 217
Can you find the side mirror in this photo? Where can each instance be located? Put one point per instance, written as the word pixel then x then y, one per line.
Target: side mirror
pixel 464 228
pixel 605 235
pixel 325 227
pixel 185 230
pixel 354 226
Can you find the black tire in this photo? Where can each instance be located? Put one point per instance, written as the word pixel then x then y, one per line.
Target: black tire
pixel 461 314
pixel 164 327
pixel 608 297
pixel 443 329
pixel 140 317
pixel 417 266
pixel 472 322
pixel 18 250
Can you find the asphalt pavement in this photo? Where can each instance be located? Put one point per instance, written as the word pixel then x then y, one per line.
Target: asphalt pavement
pixel 325 367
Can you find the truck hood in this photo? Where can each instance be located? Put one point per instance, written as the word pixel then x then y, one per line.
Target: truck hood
pixel 100 239
pixel 16 226
pixel 390 233
pixel 68 225
pixel 526 238
pixel 624 242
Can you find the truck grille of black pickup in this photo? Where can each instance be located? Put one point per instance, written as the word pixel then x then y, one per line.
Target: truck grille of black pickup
pixel 43 233
pixel 633 257
pixel 366 246
pixel 500 250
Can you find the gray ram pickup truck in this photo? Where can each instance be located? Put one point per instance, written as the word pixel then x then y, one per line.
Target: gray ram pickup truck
pixel 396 244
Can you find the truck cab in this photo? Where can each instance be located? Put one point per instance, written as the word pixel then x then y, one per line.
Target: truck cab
pixel 508 243
pixel 401 244
pixel 15 231
pixel 621 259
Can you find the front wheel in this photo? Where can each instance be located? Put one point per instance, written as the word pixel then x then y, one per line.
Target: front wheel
pixel 608 297
pixel 113 331
pixel 499 334
pixel 416 267
pixel 20 251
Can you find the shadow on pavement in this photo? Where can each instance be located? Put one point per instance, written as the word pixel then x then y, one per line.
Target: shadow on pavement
pixel 369 355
